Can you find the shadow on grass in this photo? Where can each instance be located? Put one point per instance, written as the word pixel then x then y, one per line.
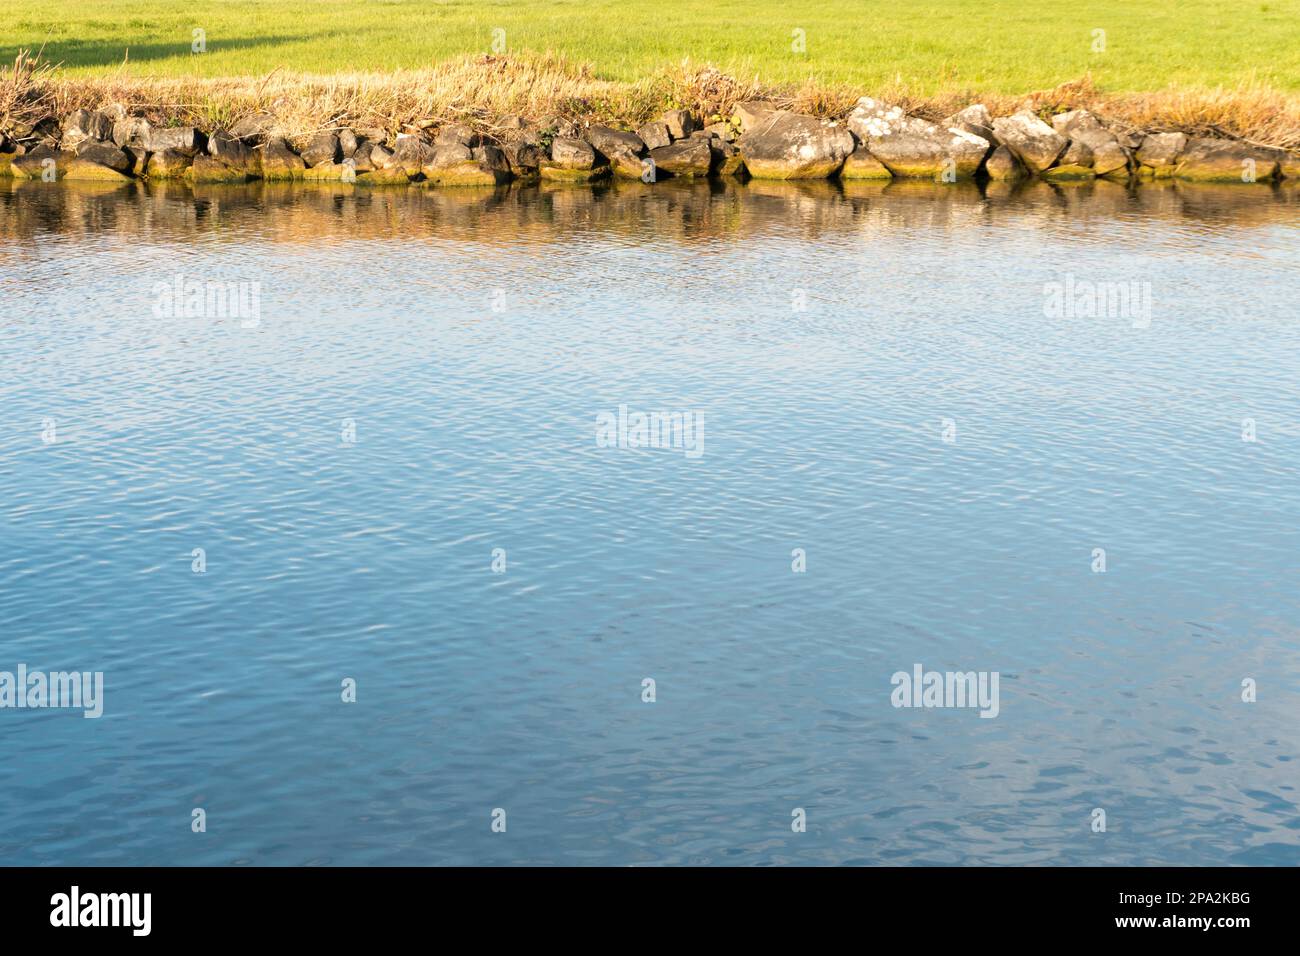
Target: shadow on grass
pixel 71 53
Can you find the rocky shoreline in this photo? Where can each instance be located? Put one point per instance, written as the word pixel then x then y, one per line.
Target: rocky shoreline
pixel 877 141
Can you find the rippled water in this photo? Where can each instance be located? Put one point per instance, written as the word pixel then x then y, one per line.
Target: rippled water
pixel 825 335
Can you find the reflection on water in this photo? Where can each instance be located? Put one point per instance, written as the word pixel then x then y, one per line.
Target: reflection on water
pixel 826 333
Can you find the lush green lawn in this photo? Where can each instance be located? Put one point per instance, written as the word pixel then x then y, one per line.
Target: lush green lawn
pixel 1000 46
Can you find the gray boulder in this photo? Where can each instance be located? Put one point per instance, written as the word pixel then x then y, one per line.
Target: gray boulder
pixel 86 125
pixel 410 153
pixel 1158 153
pixel 862 165
pixel 913 147
pixel 279 161
pixel 168 164
pixel 608 140
pixel 230 149
pixel 793 146
pixel 1225 161
pixel 654 135
pixel 974 119
pixel 1003 166
pixel 751 112
pixel 105 154
pixel 1034 143
pixel 182 139
pixel 571 153
pixel 680 123
pixel 131 131
pixel 686 157
pixel 323 148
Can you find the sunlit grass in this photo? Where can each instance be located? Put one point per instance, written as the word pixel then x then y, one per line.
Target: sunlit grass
pixel 927 46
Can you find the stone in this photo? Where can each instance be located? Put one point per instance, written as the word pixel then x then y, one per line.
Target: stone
pixel 686 157
pixel 279 161
pixel 1077 153
pixel 606 140
pixel 1068 124
pixel 322 150
pixel 524 157
pixel 862 165
pixel 105 154
pixel 913 147
pixel 654 135
pixel 254 128
pixel 393 176
pixel 1159 152
pixel 750 113
pixel 727 160
pixel 229 149
pixel 131 131
pixel 680 123
pixel 183 139
pixel 409 154
pixel 1288 163
pixel 33 163
pixel 169 164
pixel 627 164
pixel 361 156
pixel 1003 166
pixel 723 131
pixel 86 170
pixel 330 172
pixel 1035 143
pixel 139 160
pixel 1225 161
pixel 793 146
pixel 1066 172
pixel 974 119
pixel 210 169
pixel 380 155
pixel 455 134
pixel 448 154
pixel 348 143
pixel 1108 156
pixel 570 153
pixel 86 125
pixel 562 174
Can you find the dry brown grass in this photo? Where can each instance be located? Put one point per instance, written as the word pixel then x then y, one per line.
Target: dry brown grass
pixel 483 90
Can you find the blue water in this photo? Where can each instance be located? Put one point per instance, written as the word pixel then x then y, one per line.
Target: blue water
pixel 825 336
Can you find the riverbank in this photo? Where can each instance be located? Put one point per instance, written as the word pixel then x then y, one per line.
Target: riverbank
pixel 568 126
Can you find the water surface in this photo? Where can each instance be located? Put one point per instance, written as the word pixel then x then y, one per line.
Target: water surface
pixel 826 334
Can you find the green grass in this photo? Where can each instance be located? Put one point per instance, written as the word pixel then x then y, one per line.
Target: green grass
pixel 998 46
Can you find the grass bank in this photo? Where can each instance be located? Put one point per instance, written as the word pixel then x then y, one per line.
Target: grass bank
pixel 1215 67
pixel 924 46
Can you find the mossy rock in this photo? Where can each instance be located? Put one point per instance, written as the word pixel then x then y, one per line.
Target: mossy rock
pixel 465 174
pixel 559 174
pixel 84 169
pixel 384 177
pixel 1069 173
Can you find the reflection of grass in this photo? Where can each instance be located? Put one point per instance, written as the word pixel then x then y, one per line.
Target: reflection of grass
pixel 995 46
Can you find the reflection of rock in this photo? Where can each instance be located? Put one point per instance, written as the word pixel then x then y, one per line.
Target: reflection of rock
pixel 791 146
